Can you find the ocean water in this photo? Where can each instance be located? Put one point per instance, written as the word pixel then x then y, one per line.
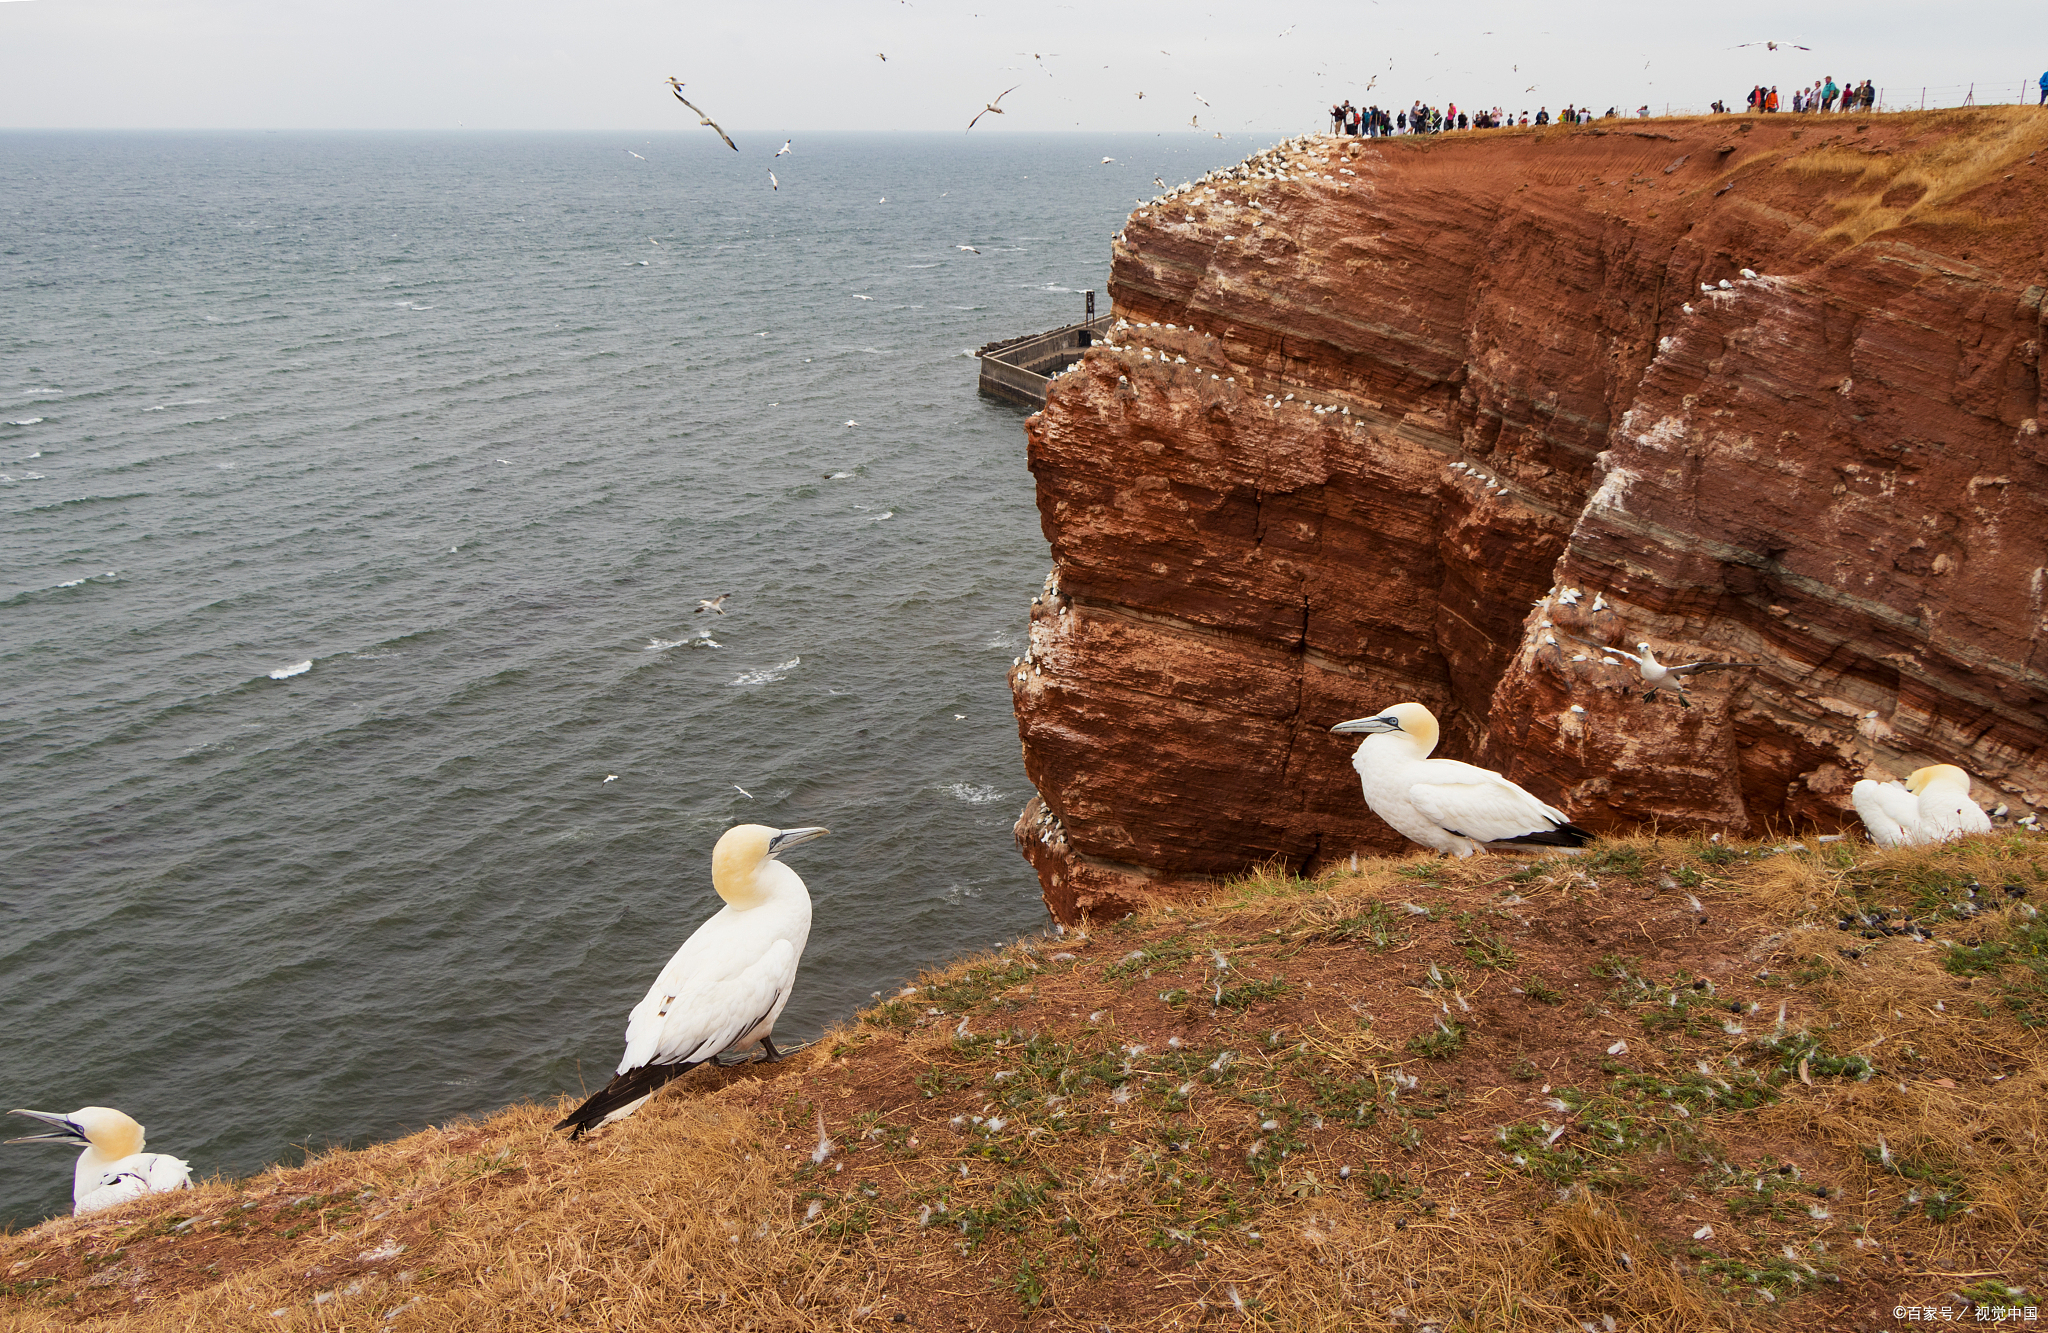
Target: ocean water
pixel 358 493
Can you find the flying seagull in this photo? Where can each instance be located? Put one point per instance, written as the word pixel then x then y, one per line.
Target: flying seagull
pixel 1772 46
pixel 992 105
pixel 1442 804
pixel 970 249
pixel 1660 675
pixel 784 149
pixel 1199 98
pixel 702 119
pixel 715 604
pixel 113 1168
pixel 631 153
pixel 726 985
pixel 1195 121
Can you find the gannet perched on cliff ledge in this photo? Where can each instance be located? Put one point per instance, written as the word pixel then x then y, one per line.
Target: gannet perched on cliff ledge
pixel 727 984
pixel 113 1168
pixel 1443 804
pixel 1933 806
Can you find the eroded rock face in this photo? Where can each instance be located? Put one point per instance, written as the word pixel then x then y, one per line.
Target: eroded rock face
pixel 1424 419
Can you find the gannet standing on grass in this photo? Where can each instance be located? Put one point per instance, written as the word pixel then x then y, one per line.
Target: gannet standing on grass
pixel 113 1168
pixel 1443 804
pixel 1933 806
pixel 724 989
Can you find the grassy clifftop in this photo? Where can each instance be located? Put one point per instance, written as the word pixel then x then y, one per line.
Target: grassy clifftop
pixel 1675 1084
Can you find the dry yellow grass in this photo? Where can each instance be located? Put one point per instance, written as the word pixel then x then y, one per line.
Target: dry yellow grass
pixel 1325 1134
pixel 1950 154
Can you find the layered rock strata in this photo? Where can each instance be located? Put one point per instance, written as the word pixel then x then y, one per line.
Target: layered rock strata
pixel 1437 418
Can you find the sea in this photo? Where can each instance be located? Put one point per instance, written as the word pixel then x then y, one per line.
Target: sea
pixel 362 747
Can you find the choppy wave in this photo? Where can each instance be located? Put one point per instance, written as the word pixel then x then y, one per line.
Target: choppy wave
pixel 295 669
pixel 768 675
pixel 973 793
pixel 701 639
pixel 188 402
pixel 27 421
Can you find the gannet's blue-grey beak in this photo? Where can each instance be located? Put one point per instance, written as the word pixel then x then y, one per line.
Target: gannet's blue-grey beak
pixel 1368 725
pixel 67 1133
pixel 791 837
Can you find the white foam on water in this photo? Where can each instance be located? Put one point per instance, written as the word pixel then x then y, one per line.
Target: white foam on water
pixel 189 402
pixel 1004 641
pixel 768 675
pixel 838 476
pixel 699 639
pixel 295 669
pixel 973 793
pixel 883 518
pixel 27 421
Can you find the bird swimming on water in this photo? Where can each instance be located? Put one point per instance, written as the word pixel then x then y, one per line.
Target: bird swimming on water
pixel 113 1168
pixel 1443 804
pixel 1933 806
pixel 726 985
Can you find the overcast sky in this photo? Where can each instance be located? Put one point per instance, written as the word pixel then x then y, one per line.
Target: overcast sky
pixel 777 69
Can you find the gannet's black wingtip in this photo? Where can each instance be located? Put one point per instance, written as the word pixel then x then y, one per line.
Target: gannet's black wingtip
pixel 627 1088
pixel 1563 835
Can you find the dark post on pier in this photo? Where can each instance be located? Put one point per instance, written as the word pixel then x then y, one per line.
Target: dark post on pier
pixel 1018 370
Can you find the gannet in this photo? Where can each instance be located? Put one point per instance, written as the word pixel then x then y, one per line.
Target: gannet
pixel 1933 806
pixel 702 119
pixel 1660 675
pixel 1443 804
pixel 773 183
pixel 716 604
pixel 727 984
pixel 784 149
pixel 992 107
pixel 113 1168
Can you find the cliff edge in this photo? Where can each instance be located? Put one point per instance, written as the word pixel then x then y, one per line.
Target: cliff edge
pixel 1422 418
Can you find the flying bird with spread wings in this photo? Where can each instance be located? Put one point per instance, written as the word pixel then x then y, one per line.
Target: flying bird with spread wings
pixel 992 105
pixel 675 86
pixel 1772 46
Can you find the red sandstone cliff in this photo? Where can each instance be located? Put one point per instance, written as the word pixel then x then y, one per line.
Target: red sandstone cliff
pixel 1381 406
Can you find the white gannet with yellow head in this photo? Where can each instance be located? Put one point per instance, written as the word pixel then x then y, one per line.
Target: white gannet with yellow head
pixel 1445 805
pixel 1933 806
pixel 724 989
pixel 113 1168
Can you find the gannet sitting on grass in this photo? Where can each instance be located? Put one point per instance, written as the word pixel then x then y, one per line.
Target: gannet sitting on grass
pixel 1443 804
pixel 113 1168
pixel 1933 806
pixel 724 989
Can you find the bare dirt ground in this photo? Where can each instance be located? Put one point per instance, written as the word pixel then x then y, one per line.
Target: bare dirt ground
pixel 1673 1085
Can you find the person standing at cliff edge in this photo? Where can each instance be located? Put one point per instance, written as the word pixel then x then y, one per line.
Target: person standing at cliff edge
pixel 2044 88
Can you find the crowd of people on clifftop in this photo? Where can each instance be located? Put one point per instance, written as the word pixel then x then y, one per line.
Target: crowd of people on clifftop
pixel 1375 122
pixel 1821 97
